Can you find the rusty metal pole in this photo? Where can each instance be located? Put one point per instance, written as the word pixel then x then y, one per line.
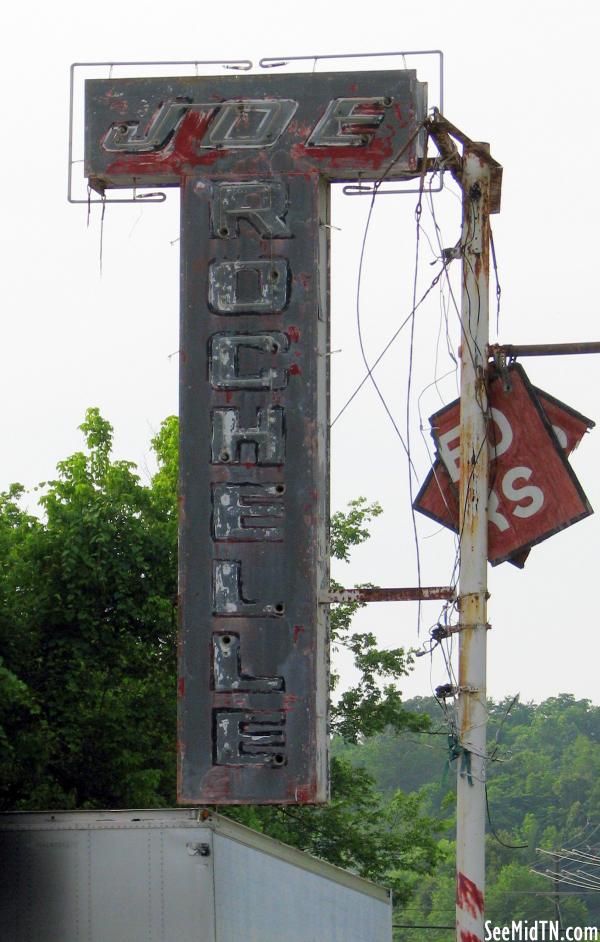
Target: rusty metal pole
pixel 472 715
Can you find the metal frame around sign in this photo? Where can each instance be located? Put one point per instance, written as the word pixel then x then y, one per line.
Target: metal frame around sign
pixel 242 65
pixel 253 156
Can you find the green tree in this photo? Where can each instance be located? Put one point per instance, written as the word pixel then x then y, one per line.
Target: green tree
pixel 89 632
pixel 543 790
pixel 87 684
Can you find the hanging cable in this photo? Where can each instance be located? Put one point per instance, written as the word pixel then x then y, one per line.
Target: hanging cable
pixel 493 830
pixel 418 212
pixel 498 288
pixel 394 337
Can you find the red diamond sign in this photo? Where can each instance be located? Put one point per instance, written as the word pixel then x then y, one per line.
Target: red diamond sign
pixel 534 491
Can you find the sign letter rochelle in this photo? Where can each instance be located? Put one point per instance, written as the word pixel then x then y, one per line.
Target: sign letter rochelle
pixel 253 156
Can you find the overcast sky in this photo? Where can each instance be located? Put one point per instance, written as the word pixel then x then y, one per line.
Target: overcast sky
pixel 522 76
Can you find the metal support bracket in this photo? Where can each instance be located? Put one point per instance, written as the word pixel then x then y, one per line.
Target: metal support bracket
pixel 475 596
pixel 416 594
pixel 444 135
pixel 510 351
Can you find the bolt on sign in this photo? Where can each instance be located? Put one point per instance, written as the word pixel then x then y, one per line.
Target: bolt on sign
pixel 534 492
pixel 253 157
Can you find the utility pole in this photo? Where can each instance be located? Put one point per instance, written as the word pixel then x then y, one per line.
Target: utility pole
pixel 473 594
pixel 479 177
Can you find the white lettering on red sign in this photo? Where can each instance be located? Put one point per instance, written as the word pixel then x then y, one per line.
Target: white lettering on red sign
pixel 499 441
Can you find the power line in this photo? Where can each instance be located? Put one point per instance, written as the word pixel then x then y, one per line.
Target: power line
pixel 394 336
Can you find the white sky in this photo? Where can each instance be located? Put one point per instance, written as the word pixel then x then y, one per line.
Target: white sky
pixel 522 76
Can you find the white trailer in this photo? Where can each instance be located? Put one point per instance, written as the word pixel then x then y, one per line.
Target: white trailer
pixel 173 876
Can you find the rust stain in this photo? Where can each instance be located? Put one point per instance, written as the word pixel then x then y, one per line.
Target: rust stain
pixel 392 595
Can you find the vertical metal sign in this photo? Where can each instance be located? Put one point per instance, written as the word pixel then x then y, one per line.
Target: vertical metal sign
pixel 253 156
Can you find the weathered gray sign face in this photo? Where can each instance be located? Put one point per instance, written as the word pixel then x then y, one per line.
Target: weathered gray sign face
pixel 252 155
pixel 253 550
pixel 148 131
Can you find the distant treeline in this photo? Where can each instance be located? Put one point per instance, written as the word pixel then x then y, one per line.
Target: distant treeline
pixel 544 793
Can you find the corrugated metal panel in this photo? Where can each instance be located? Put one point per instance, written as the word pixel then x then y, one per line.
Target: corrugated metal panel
pixel 258 897
pixel 164 876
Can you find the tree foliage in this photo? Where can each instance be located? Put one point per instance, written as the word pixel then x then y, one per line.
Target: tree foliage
pixel 87 676
pixel 87 703
pixel 544 795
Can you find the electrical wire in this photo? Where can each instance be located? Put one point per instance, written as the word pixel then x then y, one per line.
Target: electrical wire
pixel 394 337
pixel 502 722
pixel 359 329
pixel 493 830
pixel 376 186
pixel 465 240
pixel 418 212
pixel 498 287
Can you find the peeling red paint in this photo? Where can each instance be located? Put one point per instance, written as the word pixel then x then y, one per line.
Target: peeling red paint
pixel 293 333
pixel 372 157
pixel 294 370
pixel 297 630
pixel 402 121
pixel 366 107
pixel 289 702
pixel 182 156
pixel 304 794
pixel 299 130
pixel 469 896
pixel 468 936
pixel 119 105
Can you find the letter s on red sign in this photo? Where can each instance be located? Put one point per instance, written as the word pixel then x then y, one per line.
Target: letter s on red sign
pixel 531 492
